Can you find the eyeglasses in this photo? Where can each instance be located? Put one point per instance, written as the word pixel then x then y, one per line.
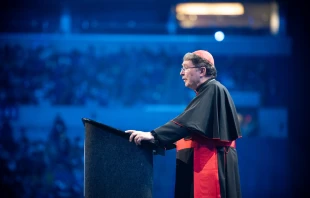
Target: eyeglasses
pixel 186 68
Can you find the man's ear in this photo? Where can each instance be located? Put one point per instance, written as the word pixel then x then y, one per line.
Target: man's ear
pixel 203 71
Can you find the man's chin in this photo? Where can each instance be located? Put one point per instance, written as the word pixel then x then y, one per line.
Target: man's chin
pixel 187 85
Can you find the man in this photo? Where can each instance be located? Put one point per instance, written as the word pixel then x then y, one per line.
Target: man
pixel 204 134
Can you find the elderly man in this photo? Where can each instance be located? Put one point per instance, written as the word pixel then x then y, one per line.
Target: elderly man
pixel 204 134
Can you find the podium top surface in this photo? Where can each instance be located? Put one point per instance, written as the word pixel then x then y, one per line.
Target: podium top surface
pixel 106 127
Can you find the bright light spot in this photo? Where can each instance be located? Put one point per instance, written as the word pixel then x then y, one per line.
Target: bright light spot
pixel 219 36
pixel 210 8
pixel 274 19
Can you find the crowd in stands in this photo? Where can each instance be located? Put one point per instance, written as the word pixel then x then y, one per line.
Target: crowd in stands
pixel 41 74
pixel 36 169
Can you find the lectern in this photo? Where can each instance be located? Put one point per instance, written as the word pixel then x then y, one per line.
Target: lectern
pixel 115 167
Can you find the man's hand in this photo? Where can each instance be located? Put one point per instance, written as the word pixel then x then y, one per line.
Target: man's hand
pixel 138 136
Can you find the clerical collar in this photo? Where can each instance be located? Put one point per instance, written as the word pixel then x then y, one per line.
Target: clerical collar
pixel 203 85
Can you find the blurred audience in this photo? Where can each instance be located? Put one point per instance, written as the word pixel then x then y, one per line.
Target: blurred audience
pixel 44 75
pixel 39 169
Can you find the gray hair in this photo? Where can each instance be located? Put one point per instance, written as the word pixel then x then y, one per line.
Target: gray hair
pixel 201 62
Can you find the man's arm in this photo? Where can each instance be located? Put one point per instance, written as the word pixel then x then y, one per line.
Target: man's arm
pixel 164 136
pixel 169 133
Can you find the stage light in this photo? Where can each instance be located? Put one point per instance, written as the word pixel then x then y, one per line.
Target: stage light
pixel 210 9
pixel 219 36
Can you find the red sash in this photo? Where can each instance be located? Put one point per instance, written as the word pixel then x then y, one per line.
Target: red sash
pixel 206 177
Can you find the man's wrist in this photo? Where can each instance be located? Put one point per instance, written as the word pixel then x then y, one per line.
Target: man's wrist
pixel 152 139
pixel 154 135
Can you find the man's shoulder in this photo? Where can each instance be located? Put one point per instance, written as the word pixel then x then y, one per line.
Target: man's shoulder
pixel 215 84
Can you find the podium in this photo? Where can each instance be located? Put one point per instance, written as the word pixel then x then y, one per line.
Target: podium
pixel 115 167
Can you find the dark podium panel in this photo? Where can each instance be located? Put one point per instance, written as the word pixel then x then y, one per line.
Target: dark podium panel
pixel 115 167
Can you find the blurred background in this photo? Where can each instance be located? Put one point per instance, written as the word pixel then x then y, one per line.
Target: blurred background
pixel 118 62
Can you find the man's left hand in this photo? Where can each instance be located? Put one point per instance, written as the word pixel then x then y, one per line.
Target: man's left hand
pixel 138 136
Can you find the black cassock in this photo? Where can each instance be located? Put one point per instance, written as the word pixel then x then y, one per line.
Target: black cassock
pixel 204 136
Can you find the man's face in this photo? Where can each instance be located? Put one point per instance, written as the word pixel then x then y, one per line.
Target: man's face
pixel 190 74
